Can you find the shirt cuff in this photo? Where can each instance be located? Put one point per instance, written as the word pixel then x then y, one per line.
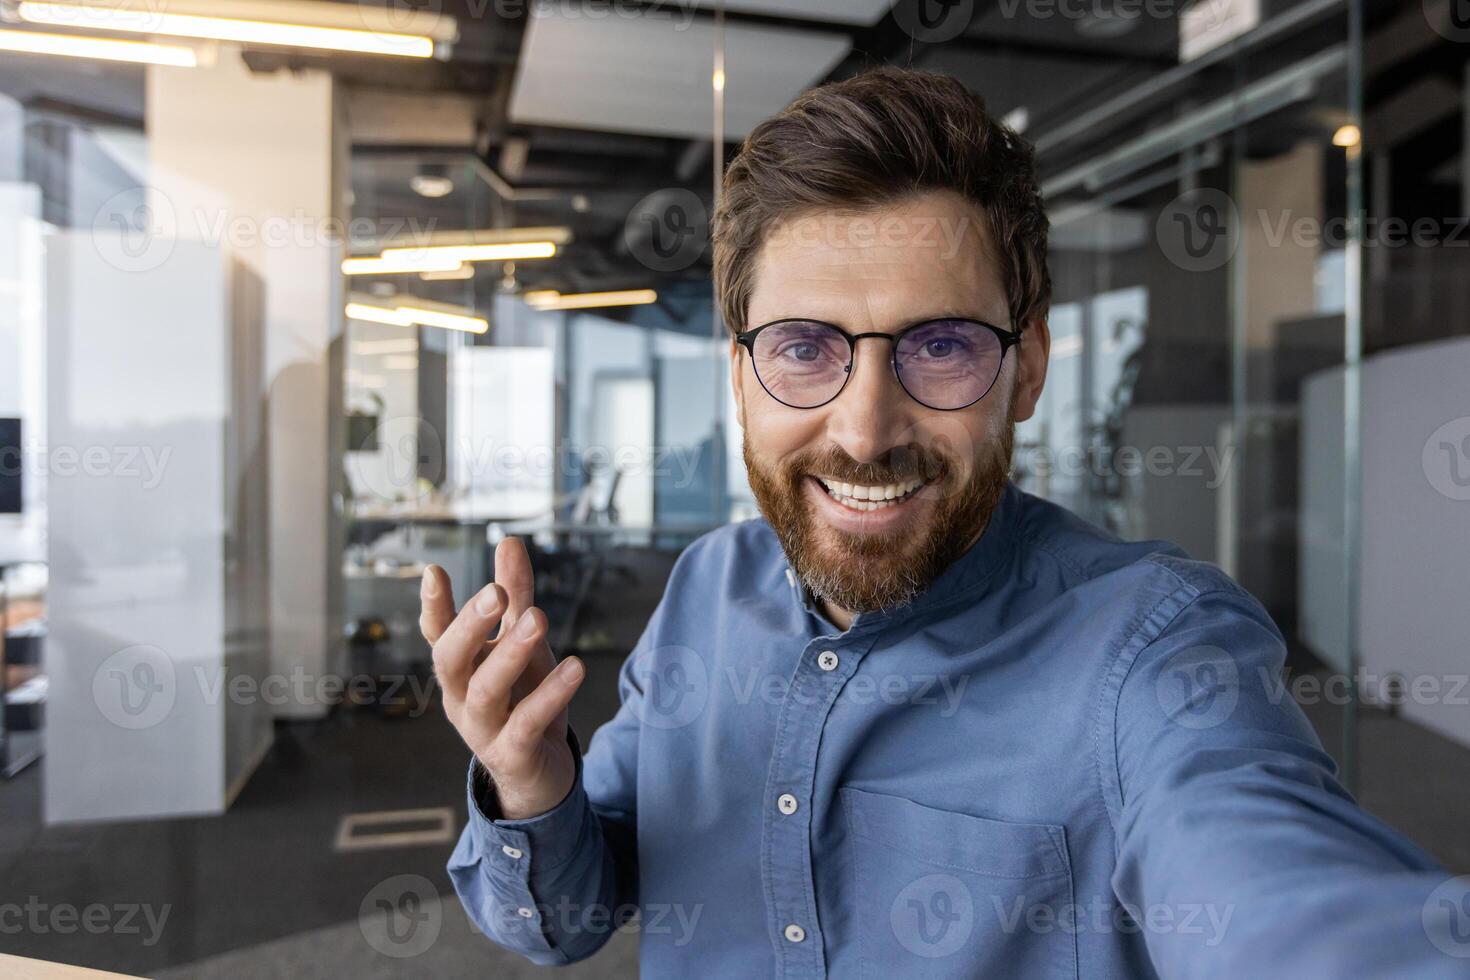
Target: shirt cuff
pixel 553 837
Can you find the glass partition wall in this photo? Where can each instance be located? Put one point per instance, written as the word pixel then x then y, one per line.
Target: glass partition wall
pixel 1205 293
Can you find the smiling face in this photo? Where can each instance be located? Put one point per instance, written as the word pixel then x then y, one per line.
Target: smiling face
pixel 873 494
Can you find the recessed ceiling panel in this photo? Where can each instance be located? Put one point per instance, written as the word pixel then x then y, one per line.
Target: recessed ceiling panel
pixel 652 74
pixel 863 12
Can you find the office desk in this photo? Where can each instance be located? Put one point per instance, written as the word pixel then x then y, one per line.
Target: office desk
pixel 19 968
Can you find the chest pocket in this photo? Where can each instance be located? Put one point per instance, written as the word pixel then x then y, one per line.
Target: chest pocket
pixel 945 895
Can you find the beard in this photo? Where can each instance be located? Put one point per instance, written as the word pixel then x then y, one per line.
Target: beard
pixel 869 572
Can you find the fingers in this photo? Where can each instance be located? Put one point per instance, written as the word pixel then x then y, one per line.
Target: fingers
pixel 491 687
pixel 544 706
pixel 436 600
pixel 513 572
pixel 460 643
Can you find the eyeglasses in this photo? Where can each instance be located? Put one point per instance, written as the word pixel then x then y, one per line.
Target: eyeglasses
pixel 946 364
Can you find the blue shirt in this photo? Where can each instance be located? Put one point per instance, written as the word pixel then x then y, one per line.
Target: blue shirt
pixel 1071 756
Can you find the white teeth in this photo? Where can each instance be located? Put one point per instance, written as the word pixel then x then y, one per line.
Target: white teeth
pixel 866 498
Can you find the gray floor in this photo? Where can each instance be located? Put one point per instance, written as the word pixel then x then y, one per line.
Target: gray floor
pixel 352 949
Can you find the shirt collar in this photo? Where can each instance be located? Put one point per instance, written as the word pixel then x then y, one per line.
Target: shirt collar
pixel 967 574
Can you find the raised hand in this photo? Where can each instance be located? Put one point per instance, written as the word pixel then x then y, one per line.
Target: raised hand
pixel 507 697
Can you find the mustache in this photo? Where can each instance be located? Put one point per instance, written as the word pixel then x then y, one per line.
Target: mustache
pixel 895 465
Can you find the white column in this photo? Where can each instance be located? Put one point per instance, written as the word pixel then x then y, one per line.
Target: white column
pixel 259 162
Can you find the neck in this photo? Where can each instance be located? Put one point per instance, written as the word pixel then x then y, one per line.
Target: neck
pixel 836 615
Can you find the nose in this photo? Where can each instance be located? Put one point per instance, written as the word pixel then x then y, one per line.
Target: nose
pixel 873 414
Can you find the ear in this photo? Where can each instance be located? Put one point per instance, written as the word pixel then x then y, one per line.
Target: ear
pixel 1035 354
pixel 737 380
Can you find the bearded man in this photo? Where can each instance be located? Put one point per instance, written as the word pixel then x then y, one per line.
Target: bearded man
pixel 914 722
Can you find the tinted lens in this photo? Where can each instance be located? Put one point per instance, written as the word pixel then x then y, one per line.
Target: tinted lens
pixel 802 364
pixel 948 364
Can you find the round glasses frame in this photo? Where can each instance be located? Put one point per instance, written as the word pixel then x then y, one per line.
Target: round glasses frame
pixel 1007 338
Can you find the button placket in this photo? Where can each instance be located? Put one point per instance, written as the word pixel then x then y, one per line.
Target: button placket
pixel 816 681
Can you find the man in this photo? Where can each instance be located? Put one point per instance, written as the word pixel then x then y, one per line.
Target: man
pixel 914 722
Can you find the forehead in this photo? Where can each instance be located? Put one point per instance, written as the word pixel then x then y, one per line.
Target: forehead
pixel 882 268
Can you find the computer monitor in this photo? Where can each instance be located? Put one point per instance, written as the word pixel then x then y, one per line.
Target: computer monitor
pixel 10 468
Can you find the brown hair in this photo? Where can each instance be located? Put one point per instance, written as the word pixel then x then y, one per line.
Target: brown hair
pixel 874 139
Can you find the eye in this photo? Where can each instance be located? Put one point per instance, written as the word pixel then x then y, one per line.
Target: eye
pixel 941 347
pixel 801 350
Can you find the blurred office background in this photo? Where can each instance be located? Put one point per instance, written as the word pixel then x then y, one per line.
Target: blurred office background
pixel 286 314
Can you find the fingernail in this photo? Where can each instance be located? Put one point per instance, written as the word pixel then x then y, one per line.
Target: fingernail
pixel 488 601
pixel 430 588
pixel 571 671
pixel 526 625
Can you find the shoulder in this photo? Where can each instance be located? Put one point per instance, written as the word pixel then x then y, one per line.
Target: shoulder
pixel 737 557
pixel 1057 545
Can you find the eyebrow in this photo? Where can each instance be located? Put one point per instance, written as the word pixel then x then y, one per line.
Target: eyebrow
pixel 944 313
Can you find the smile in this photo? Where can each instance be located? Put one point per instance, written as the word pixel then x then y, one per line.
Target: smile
pixel 855 496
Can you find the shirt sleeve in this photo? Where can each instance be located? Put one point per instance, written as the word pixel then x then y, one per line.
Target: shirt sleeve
pixel 1239 853
pixel 554 887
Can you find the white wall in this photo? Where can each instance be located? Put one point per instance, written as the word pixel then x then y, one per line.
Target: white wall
pixel 263 174
pixel 1414 618
pixel 22 360
pixel 1416 526
pixel 156 594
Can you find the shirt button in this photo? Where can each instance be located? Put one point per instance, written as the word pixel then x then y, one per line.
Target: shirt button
pixel 514 853
pixel 795 933
pixel 827 660
pixel 524 913
pixel 786 803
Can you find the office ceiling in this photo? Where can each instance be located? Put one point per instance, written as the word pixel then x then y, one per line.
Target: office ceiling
pixel 652 75
pixel 574 115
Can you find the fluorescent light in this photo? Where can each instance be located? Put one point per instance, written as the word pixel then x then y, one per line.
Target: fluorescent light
pixel 399 266
pixel 448 321
pixel 101 17
pixel 546 299
pixel 506 252
pixel 378 314
pixel 556 234
pixel 431 185
pixel 465 271
pixel 411 311
pixel 98 48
